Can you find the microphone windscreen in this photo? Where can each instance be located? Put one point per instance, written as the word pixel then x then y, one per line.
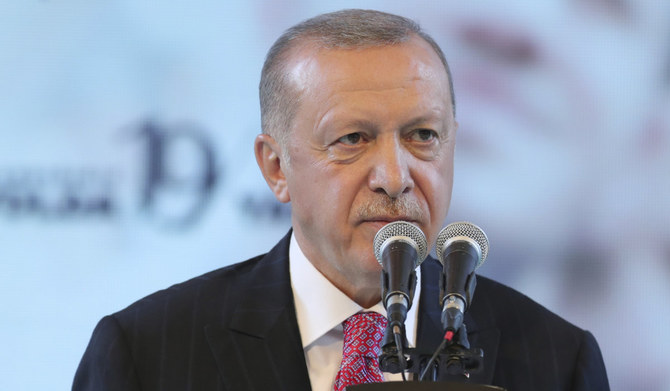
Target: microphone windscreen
pixel 404 231
pixel 464 230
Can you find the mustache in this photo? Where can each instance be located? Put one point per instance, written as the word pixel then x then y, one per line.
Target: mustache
pixel 405 207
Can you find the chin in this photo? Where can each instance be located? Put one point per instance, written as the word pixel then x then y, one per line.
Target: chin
pixel 371 266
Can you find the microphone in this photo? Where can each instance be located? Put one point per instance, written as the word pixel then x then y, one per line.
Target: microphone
pixel 399 247
pixel 461 248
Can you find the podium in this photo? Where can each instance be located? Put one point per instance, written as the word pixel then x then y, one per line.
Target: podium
pixel 422 386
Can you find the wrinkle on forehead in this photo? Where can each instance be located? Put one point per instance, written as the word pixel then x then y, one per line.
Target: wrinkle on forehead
pixel 307 61
pixel 329 76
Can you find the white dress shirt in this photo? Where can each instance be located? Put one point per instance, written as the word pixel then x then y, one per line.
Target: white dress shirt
pixel 321 308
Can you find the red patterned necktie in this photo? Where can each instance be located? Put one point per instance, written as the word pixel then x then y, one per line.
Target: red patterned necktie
pixel 363 333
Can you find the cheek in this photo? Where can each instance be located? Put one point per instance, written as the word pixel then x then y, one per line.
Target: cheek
pixel 322 194
pixel 436 184
pixel 339 192
pixel 437 176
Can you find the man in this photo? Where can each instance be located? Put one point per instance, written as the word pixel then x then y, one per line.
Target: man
pixel 358 131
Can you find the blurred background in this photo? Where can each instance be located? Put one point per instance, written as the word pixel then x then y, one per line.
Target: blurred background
pixel 126 160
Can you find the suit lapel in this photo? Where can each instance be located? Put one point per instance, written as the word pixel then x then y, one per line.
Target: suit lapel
pixel 430 330
pixel 261 348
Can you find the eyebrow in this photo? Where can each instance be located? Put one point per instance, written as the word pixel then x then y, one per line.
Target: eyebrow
pixel 363 123
pixel 421 120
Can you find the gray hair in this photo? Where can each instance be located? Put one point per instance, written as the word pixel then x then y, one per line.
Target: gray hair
pixel 346 29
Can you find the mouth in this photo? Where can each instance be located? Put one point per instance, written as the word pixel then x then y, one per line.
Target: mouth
pixel 381 221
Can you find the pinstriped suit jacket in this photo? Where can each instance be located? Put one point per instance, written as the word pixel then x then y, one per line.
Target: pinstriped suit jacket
pixel 235 329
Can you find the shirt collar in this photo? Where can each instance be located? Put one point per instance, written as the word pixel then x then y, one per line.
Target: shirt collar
pixel 320 306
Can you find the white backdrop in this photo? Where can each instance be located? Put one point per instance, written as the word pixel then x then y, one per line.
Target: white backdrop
pixel 126 162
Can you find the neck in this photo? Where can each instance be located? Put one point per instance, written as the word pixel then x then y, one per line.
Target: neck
pixel 364 297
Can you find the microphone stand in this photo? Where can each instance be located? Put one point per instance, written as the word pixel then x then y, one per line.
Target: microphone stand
pixel 453 357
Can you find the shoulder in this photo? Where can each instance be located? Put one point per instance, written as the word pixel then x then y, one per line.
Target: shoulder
pixel 499 305
pixel 527 326
pixel 201 297
pixel 208 297
pixel 537 341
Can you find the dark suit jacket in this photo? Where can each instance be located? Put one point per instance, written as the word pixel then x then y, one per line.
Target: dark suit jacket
pixel 235 329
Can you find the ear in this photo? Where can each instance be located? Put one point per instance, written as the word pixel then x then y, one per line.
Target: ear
pixel 268 155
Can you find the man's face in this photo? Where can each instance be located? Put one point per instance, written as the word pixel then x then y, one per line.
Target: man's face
pixel 371 143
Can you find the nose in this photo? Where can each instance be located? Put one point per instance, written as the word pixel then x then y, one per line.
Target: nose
pixel 390 171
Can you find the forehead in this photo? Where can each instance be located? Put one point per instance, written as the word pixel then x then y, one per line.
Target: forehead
pixel 310 67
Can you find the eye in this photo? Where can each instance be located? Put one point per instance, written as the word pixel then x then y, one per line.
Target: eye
pixel 351 139
pixel 423 135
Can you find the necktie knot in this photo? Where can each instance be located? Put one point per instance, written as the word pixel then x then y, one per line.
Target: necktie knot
pixel 363 333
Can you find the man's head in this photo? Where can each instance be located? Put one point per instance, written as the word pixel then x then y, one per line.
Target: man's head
pixel 346 29
pixel 369 130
